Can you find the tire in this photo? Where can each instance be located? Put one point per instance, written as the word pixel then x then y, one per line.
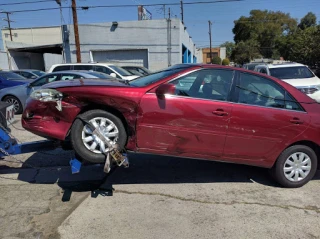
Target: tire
pixel 286 161
pixel 17 104
pixel 77 132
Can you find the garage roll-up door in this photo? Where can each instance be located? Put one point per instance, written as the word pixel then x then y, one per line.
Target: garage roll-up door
pixel 138 57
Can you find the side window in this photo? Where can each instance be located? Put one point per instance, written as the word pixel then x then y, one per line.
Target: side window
pixel 103 69
pixel 69 77
pixel 26 74
pixel 62 68
pixel 45 80
pixel 211 84
pixel 83 67
pixel 263 71
pixel 255 90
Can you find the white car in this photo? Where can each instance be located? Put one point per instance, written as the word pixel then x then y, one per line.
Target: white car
pixel 112 70
pixel 297 75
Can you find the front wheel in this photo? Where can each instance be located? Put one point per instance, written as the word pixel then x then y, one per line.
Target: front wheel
pixel 89 147
pixel 17 106
pixel 295 166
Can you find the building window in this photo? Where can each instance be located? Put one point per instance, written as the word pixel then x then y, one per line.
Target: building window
pixel 213 54
pixel 6 35
pixel 15 34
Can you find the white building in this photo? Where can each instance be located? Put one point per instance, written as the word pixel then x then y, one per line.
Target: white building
pixel 155 44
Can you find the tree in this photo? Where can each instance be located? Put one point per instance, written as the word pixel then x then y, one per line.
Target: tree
pixel 229 47
pixel 216 60
pixel 246 51
pixel 264 27
pixel 301 46
pixel 308 20
pixel 226 62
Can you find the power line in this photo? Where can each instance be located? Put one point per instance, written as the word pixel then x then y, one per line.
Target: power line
pixel 128 5
pixel 19 3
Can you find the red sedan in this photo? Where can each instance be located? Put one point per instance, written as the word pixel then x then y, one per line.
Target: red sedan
pixel 199 111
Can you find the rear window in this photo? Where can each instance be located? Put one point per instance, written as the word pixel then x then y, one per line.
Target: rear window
pixel 11 76
pixel 62 68
pixel 296 72
pixel 83 67
pixel 38 73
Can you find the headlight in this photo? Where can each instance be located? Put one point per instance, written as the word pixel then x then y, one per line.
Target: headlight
pixel 46 95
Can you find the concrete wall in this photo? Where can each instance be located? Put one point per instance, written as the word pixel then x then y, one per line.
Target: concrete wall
pixel 4 61
pixel 34 36
pixel 199 55
pixel 223 53
pixel 51 59
pixel 147 34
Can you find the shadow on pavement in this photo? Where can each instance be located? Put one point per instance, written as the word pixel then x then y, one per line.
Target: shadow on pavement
pixel 144 169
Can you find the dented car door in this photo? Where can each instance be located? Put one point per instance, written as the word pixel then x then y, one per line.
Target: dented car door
pixel 191 122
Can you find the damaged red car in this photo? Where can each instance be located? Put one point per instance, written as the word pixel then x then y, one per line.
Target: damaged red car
pixel 200 111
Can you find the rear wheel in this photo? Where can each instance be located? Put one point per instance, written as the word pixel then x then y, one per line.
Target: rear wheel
pixel 16 103
pixel 89 147
pixel 295 166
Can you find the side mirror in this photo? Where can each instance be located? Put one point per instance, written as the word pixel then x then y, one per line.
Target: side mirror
pixel 165 89
pixel 113 75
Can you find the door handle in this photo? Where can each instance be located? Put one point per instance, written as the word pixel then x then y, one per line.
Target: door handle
pixel 220 112
pixel 296 120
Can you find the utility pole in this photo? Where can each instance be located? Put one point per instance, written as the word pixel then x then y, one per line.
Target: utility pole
pixel 210 24
pixel 76 30
pixel 164 10
pixel 181 6
pixel 9 21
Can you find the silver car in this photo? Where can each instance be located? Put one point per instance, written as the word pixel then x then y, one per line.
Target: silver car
pixel 18 95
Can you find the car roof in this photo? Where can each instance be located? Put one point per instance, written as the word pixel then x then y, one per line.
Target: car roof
pixel 27 70
pixel 282 65
pixel 74 64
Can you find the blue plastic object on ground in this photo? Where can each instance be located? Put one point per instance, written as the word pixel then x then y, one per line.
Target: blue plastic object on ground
pixel 75 165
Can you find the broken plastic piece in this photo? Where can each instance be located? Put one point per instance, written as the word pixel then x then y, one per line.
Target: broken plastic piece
pixel 75 166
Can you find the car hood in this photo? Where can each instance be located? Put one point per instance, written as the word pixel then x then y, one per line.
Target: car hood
pixel 130 77
pixel 85 82
pixel 303 82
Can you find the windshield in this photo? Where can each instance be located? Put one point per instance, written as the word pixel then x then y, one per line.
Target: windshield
pixel 149 79
pixel 11 75
pixel 296 72
pixel 101 75
pixel 120 71
pixel 38 73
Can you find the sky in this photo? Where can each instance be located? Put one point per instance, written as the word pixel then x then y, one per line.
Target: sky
pixel 196 17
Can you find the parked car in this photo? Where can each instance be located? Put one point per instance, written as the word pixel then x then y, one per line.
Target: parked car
pixel 251 66
pixel 29 73
pixel 298 75
pixel 9 79
pixel 112 70
pixel 18 95
pixel 137 70
pixel 226 114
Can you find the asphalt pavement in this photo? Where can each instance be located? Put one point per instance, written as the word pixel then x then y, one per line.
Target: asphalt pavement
pixel 157 197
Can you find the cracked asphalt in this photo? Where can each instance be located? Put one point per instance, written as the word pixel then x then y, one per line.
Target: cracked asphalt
pixel 157 197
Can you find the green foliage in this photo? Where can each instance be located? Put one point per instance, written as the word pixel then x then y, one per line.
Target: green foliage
pixel 246 51
pixel 274 35
pixel 216 60
pixel 229 47
pixel 225 62
pixel 309 20
pixel 264 27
